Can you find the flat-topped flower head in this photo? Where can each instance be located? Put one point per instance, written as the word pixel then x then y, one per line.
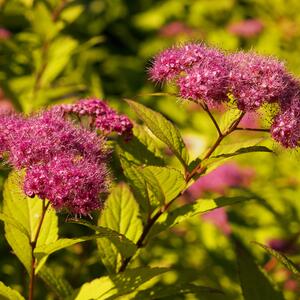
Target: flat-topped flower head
pixel 103 117
pixel 255 80
pixel 71 184
pixel 63 162
pixel 42 136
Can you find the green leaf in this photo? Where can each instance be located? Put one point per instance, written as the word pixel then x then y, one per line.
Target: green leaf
pixel 228 117
pixel 164 130
pixel 153 185
pixel 117 285
pixel 99 289
pixel 176 290
pixel 13 222
pixel 214 161
pixel 71 13
pixel 122 215
pixel 60 244
pixel 7 293
pixel 131 279
pixel 180 214
pixel 59 285
pixel 281 258
pixel 166 183
pixel 141 149
pixel 137 181
pixel 59 55
pixel 19 209
pixel 125 246
pixel 254 282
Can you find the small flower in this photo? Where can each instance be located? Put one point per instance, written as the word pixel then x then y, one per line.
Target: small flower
pixel 220 179
pixel 70 184
pixel 176 28
pixel 64 163
pixel 246 28
pixel 4 34
pixel 255 80
pixel 207 80
pixel 286 127
pixel 103 117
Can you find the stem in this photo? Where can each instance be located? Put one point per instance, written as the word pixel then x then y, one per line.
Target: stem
pixel 44 53
pixel 206 109
pixel 254 129
pixel 146 230
pixel 33 245
pixel 189 176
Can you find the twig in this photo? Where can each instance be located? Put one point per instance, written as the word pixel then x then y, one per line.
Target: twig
pixel 253 129
pixel 33 245
pixel 206 109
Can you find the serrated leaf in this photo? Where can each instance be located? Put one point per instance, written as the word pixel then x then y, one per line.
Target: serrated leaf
pixel 27 211
pixel 254 282
pixel 176 216
pixel 168 182
pixel 281 258
pixel 59 285
pixel 141 149
pixel 228 117
pixel 163 129
pixel 11 221
pixel 7 293
pixel 160 292
pixel 122 215
pixel 117 285
pixel 138 184
pixel 118 240
pixel 214 161
pixel 123 244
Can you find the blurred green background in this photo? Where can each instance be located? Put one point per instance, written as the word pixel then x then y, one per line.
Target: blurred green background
pixel 62 50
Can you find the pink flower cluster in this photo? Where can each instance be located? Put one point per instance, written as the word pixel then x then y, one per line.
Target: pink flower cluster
pixel 102 116
pixel 246 28
pixel 207 74
pixel 64 163
pixel 220 179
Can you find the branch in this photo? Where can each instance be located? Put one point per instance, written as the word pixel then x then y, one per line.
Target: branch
pixel 33 245
pixel 254 129
pixel 206 109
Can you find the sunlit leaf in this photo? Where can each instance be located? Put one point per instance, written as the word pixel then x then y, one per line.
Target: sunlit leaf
pixel 162 129
pixel 117 285
pixel 178 215
pixel 59 285
pixel 122 215
pixel 176 290
pixel 141 149
pixel 7 293
pixel 281 258
pixel 26 211
pixel 168 181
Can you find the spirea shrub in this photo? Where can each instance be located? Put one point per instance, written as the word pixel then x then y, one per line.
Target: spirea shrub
pixel 87 160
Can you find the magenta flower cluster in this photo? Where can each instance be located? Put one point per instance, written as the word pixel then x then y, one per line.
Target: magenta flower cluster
pixel 208 75
pixel 102 116
pixel 64 162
